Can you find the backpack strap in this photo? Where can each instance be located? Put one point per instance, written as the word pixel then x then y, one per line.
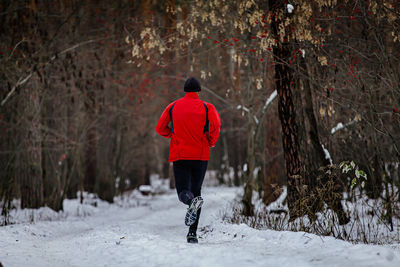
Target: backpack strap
pixel 207 125
pixel 170 115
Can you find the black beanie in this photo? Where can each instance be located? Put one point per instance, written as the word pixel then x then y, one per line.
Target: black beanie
pixel 192 85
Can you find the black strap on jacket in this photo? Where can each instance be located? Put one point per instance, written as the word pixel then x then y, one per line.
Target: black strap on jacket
pixel 170 114
pixel 206 126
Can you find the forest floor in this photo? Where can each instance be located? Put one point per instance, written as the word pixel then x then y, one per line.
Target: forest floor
pixel 154 234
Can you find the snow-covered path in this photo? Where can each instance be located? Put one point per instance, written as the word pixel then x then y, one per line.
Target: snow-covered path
pixel 154 235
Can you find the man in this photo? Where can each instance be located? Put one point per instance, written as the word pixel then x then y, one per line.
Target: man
pixel 195 127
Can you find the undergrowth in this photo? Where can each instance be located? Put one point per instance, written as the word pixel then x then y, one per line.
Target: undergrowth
pixel 367 222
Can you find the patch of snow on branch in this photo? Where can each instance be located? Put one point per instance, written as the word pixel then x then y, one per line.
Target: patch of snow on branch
pixel 270 99
pixel 247 110
pixel 255 119
pixel 337 128
pixel 242 107
pixel 340 125
pixel 327 154
pixel 290 8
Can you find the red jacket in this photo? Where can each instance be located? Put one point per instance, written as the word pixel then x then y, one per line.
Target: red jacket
pixel 188 139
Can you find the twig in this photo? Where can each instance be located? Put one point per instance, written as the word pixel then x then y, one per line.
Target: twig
pixel 20 82
pixel 15 47
pixel 24 80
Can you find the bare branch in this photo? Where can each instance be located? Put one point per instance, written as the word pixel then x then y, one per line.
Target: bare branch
pixel 22 81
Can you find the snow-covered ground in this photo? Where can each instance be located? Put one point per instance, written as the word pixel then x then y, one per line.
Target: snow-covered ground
pixel 153 234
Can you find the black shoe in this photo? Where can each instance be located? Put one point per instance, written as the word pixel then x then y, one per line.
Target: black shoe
pixel 191 214
pixel 192 238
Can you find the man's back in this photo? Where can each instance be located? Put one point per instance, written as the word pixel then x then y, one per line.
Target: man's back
pixel 189 141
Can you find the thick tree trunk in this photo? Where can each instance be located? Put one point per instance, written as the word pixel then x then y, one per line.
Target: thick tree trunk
pixel 146 174
pixel 296 183
pixel 91 161
pixel 225 172
pixel 248 207
pixel 319 159
pixel 315 159
pixel 236 163
pixel 374 183
pixel 284 79
pixel 238 179
pixel 90 143
pixel 32 176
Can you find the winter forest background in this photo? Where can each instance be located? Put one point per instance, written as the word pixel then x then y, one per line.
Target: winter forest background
pixel 308 93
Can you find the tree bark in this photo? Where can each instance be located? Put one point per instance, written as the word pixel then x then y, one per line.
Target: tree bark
pixel 248 207
pixel 32 175
pixel 284 79
pixel 315 159
pixel 90 143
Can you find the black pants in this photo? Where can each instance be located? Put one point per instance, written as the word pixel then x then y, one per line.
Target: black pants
pixel 189 176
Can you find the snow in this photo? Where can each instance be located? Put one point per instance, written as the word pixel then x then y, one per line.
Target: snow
pixel 327 154
pixel 365 225
pixel 267 103
pixel 337 128
pixel 340 125
pixel 145 188
pixel 243 108
pixel 153 234
pixel 270 99
pixel 247 110
pixel 290 8
pixel 256 120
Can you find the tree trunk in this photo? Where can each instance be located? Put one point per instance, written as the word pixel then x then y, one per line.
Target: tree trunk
pixel 32 174
pixel 236 163
pixel 315 158
pixel 248 207
pixel 284 80
pixel 225 172
pixel 318 159
pixel 296 188
pixel 284 77
pixel 91 143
